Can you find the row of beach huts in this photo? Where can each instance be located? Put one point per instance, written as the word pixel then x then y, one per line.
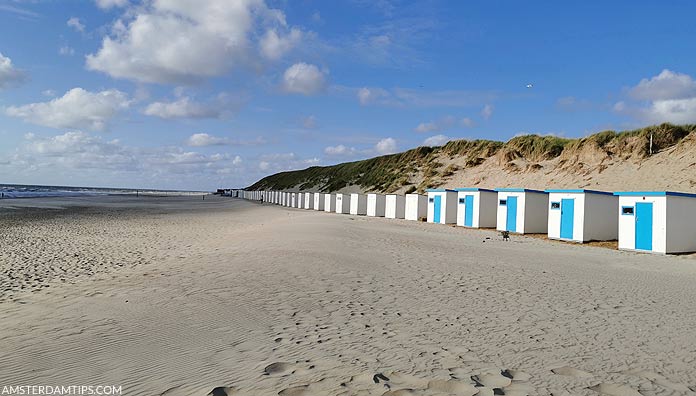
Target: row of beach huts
pixel 650 221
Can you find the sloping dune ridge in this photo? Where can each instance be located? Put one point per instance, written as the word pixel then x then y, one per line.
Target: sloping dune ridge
pixel 611 161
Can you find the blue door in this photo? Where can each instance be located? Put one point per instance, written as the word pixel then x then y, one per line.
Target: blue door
pixel 567 213
pixel 644 226
pixel 437 208
pixel 469 211
pixel 511 224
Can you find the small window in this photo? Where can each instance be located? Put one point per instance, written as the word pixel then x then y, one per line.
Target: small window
pixel 627 210
pixel 503 202
pixel 555 205
pixel 431 199
pixel 462 200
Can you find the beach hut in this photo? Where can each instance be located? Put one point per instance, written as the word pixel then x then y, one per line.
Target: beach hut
pixel 416 207
pixel 309 201
pixel 582 215
pixel 442 206
pixel 657 221
pixel 329 202
pixel 319 201
pixel 395 206
pixel 299 202
pixel 292 200
pixel 343 203
pixel 376 205
pixel 522 210
pixel 358 204
pixel 477 207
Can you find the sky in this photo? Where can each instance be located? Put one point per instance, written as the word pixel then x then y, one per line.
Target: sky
pixel 205 94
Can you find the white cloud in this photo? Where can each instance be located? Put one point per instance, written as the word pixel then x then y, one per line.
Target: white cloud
pixel 371 95
pixel 182 108
pixel 9 75
pixel 77 109
pixel 66 50
pixel 304 79
pixel 75 23
pixel 48 93
pixel 443 123
pixel 487 111
pixel 667 97
pixel 340 151
pixel 107 4
pixel 665 86
pixel 274 46
pixel 237 160
pixel 437 140
pixel 204 139
pixel 264 165
pixel 180 41
pixel 405 97
pixel 386 146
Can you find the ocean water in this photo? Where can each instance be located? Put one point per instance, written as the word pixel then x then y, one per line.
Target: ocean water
pixel 29 191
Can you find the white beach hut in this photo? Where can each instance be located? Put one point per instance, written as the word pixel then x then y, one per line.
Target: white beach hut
pixel 583 215
pixel 416 207
pixel 376 205
pixel 343 203
pixel 329 202
pixel 309 200
pixel 442 206
pixel 522 210
pixel 283 198
pixel 319 201
pixel 395 206
pixel 657 221
pixel 299 200
pixel 477 207
pixel 358 204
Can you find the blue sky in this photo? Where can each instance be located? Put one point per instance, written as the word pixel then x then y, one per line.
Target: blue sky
pixel 219 93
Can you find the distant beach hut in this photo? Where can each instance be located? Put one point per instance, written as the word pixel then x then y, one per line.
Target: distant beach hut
pixel 582 215
pixel 319 201
pixel 395 206
pixel 329 203
pixel 376 205
pixel 299 200
pixel 476 207
pixel 442 206
pixel 657 221
pixel 342 203
pixel 416 207
pixel 358 204
pixel 522 210
pixel 309 200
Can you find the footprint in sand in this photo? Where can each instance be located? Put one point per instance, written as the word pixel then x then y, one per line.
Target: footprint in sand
pixel 283 369
pixel 571 372
pixel 222 391
pixel 615 390
pixel 658 379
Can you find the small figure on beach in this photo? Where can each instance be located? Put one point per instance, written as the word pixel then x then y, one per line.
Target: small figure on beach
pixel 505 235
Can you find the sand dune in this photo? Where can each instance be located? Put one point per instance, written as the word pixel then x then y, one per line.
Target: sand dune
pixel 232 297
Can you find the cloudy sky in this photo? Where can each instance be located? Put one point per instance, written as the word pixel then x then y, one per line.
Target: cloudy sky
pixel 200 94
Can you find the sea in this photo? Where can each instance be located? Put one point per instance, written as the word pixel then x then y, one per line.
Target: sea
pixel 31 191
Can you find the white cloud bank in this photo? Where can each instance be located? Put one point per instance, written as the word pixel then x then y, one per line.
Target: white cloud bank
pixel 305 79
pixel 183 41
pixel 667 97
pixel 443 124
pixel 9 75
pixel 437 140
pixel 204 139
pixel 77 109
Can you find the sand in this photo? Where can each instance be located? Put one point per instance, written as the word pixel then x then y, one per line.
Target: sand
pixel 250 299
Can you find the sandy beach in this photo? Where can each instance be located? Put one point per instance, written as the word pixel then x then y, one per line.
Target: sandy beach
pixel 178 296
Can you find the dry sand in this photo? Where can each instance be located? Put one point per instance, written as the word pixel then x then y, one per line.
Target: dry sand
pixel 266 300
